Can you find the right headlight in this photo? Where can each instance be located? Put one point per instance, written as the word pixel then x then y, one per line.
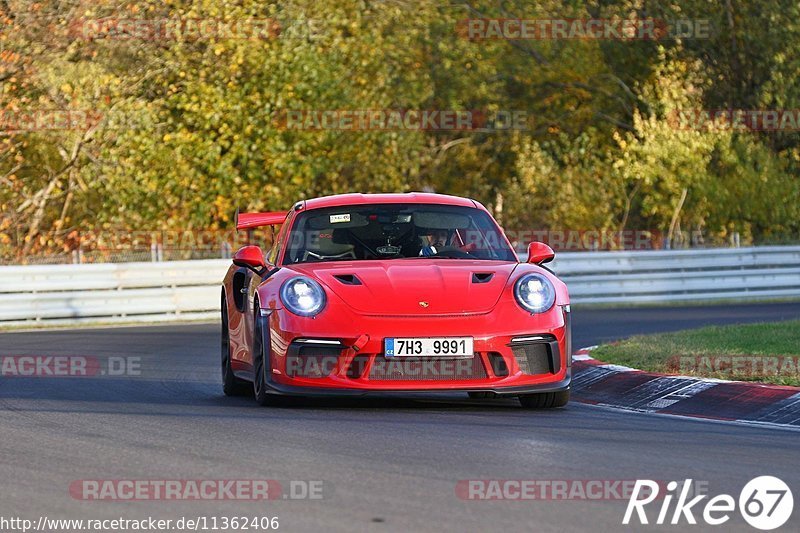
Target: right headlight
pixel 534 293
pixel 303 296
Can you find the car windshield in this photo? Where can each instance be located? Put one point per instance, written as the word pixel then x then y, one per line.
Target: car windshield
pixel 395 231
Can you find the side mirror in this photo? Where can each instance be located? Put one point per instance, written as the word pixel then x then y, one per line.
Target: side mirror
pixel 250 257
pixel 540 253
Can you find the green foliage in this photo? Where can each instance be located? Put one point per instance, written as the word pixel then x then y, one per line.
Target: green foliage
pixel 191 127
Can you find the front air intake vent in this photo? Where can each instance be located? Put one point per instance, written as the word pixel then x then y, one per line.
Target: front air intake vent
pixel 499 366
pixel 537 354
pixel 310 359
pixel 532 358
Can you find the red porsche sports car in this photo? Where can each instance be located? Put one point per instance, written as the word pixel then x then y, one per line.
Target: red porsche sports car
pixel 369 293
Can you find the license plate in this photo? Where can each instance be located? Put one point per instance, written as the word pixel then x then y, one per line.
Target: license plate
pixel 429 347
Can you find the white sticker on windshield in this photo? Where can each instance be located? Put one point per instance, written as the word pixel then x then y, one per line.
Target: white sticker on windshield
pixel 340 218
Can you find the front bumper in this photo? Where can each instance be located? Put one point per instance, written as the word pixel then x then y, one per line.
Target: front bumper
pixel 290 390
pixel 523 355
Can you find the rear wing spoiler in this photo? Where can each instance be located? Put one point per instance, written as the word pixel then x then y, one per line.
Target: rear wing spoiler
pixel 256 220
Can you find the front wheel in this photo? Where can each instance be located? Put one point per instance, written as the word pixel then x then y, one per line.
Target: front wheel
pixel 231 385
pixel 261 364
pixel 544 400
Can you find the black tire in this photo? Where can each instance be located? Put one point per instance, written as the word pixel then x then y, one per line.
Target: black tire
pixel 544 400
pixel 231 385
pixel 261 364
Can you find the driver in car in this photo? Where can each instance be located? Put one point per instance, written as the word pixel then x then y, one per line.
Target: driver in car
pixel 436 241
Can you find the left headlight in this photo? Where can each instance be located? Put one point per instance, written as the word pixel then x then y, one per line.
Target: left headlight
pixel 535 293
pixel 303 296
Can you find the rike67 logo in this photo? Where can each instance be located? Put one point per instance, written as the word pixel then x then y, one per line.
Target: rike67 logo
pixel 765 503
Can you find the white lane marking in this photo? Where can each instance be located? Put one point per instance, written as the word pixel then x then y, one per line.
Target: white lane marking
pixel 690 388
pixel 618 368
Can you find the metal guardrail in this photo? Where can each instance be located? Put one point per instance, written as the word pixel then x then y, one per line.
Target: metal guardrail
pixel 111 292
pixel 190 289
pixel 681 276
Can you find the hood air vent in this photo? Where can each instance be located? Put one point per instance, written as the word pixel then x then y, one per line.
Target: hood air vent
pixel 347 279
pixel 482 277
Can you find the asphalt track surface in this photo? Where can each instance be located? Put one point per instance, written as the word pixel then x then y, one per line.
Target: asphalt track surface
pixel 386 463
